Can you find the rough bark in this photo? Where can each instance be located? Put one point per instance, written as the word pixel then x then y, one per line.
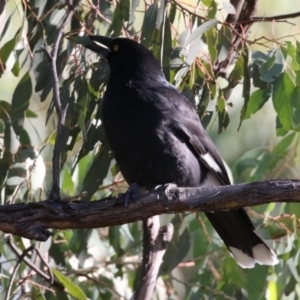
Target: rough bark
pixel 33 220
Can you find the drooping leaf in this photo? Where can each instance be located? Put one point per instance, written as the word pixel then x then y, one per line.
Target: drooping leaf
pixel 283 89
pixel 273 67
pixel 197 33
pixel 149 24
pixel 176 253
pixel 256 282
pixel 98 171
pixel 37 294
pixel 5 52
pixel 222 114
pixel 20 102
pixel 257 100
pixel 293 52
pixel 121 14
pixel 280 130
pixel 285 143
pixel 70 286
pixel 246 87
pixel 295 107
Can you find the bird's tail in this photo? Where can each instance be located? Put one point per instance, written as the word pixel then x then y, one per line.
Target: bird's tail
pixel 236 230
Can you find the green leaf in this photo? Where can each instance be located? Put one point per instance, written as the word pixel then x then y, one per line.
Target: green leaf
pixel 285 143
pixel 149 25
pixel 212 10
pixel 25 137
pixel 280 131
pixel 36 293
pixel 199 248
pixel 295 107
pixel 16 68
pixel 246 87
pixel 172 13
pixel 290 287
pixel 176 252
pixel 97 172
pixel 257 100
pixel 11 141
pixel 211 39
pixel 30 114
pixel 121 14
pixel 257 81
pixel 6 50
pixel 267 163
pixel 273 67
pixel 197 33
pixel 283 89
pixel 167 49
pixel 41 73
pixel 256 282
pixel 67 184
pixel 234 273
pixel 71 287
pixel 207 2
pixel 20 102
pixel 293 53
pixel 203 102
pixel 222 114
pixel 237 73
pixel 190 57
pixel 249 160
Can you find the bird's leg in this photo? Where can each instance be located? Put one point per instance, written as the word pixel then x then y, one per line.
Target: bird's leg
pixel 134 191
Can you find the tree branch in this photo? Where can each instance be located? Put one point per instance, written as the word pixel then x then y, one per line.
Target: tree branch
pixel 155 242
pixel 33 220
pixel 272 18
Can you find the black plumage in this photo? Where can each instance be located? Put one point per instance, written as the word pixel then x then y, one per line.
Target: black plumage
pixel 157 138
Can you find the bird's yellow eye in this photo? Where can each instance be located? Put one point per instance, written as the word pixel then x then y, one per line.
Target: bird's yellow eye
pixel 116 47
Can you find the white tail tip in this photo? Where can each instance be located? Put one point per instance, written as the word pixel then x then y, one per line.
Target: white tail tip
pixel 261 255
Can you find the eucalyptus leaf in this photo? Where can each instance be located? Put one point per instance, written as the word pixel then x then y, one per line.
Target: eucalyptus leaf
pixel 20 102
pixel 197 33
pixel 70 286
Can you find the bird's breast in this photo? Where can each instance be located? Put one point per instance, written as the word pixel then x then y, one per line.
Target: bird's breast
pixel 147 152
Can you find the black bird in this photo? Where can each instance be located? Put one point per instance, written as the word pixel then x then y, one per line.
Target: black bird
pixel 157 138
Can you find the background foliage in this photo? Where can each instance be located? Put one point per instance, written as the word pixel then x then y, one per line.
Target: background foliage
pixel 263 86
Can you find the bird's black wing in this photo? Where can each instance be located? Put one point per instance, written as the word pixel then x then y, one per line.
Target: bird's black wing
pixel 182 119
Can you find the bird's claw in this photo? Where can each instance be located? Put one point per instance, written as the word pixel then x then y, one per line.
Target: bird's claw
pixel 133 192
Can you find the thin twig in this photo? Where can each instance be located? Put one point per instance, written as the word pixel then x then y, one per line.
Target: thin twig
pixel 251 20
pixel 61 111
pixel 98 12
pixel 16 267
pixel 203 287
pixel 271 18
pixel 45 263
pixel 26 260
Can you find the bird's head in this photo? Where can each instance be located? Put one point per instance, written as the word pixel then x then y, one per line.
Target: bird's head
pixel 126 57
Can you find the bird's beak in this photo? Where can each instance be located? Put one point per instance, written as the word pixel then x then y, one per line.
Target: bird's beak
pixel 98 44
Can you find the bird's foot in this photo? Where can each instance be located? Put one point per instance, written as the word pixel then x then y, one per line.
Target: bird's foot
pixel 134 192
pixel 168 190
pixel 165 189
